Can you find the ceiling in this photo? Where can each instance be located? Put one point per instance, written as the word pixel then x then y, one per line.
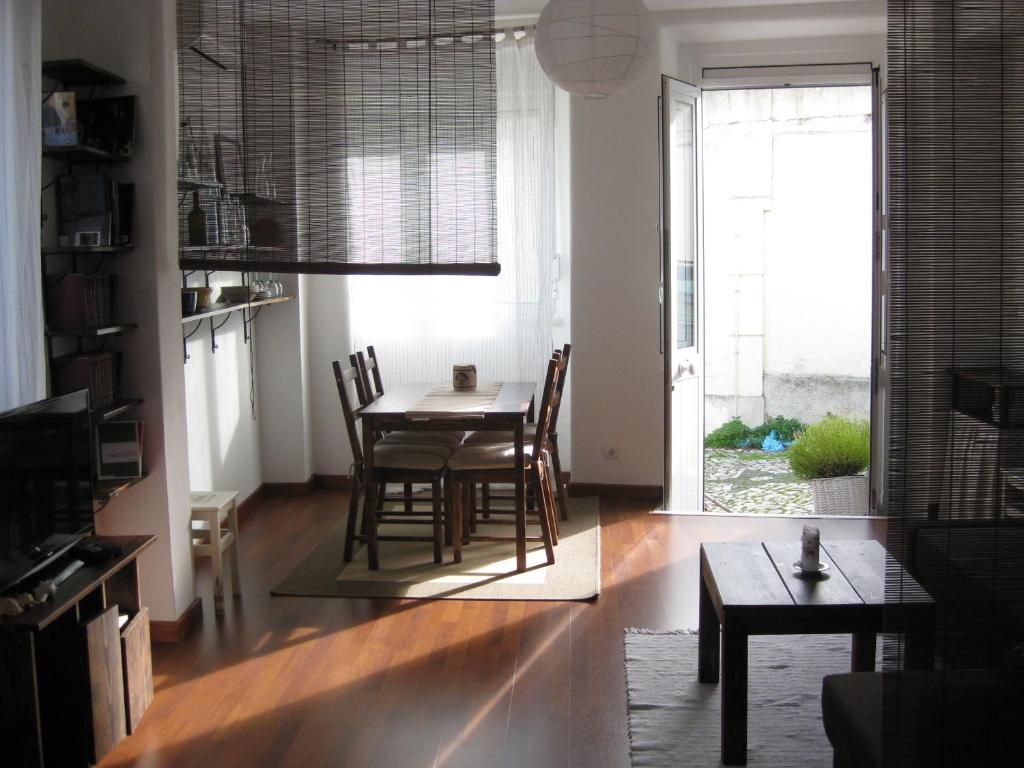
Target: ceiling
pixel 533 7
pixel 716 21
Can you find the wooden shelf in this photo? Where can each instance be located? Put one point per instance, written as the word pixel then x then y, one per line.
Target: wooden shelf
pixel 82 155
pixel 190 184
pixel 235 258
pixel 105 330
pixel 196 251
pixel 105 490
pixel 74 73
pixel 251 198
pixel 223 309
pixel 96 249
pixel 119 408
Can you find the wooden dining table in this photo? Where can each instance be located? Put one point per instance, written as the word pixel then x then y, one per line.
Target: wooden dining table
pixel 403 407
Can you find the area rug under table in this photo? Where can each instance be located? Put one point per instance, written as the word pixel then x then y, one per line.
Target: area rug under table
pixel 487 570
pixel 675 721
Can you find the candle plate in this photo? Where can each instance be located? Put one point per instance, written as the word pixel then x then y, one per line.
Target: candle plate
pixel 822 567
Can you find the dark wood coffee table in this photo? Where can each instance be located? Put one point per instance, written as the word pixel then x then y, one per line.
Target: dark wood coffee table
pixel 752 589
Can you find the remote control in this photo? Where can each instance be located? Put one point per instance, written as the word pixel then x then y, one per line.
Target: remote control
pixel 67 573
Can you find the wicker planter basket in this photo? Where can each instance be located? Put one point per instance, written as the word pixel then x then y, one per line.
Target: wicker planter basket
pixel 840 495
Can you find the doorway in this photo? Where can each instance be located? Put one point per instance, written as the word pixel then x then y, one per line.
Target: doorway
pixel 784 205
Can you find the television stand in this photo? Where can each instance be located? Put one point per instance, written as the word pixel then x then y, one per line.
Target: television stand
pixel 74 676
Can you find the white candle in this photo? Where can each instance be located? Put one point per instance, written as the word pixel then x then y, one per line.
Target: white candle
pixel 810 548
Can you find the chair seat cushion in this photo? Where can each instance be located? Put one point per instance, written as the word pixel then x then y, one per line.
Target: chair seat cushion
pixel 448 438
pixel 481 437
pixel 487 456
pixel 426 458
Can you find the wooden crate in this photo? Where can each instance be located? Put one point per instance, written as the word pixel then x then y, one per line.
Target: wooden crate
pixel 106 682
pixel 137 661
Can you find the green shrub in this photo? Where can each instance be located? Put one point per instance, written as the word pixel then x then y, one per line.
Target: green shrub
pixel 834 447
pixel 785 429
pixel 732 434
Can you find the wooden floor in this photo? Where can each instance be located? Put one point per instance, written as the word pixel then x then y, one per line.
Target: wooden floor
pixel 389 683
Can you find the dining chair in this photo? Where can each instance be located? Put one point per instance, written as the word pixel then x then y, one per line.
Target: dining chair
pixel 373 365
pixel 370 387
pixel 368 392
pixel 552 446
pixel 392 463
pixel 495 463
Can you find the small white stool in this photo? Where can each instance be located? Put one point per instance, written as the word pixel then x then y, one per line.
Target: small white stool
pixel 214 531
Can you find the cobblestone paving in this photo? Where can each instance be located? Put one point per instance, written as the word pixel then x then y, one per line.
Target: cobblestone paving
pixel 753 482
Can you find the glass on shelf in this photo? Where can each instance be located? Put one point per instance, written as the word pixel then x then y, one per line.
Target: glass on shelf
pixel 190 159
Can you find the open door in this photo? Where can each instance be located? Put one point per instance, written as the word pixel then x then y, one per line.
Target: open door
pixel 682 297
pixel 878 469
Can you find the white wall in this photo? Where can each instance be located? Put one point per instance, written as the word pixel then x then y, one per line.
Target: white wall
pixel 617 391
pixel 617 385
pixel 330 339
pixel 788 233
pixel 282 398
pixel 137 40
pixel 223 437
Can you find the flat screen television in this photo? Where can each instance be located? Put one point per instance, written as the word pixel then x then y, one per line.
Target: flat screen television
pixel 46 476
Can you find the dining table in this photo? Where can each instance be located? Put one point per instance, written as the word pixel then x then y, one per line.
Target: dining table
pixel 491 406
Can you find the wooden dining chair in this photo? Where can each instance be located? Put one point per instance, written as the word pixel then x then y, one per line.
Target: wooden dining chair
pixel 370 387
pixel 552 446
pixel 373 366
pixel 495 463
pixel 392 463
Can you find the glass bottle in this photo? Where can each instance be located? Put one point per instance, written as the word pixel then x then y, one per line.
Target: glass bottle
pixel 196 222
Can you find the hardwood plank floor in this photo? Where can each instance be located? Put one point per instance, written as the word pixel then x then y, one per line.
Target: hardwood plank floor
pixel 284 681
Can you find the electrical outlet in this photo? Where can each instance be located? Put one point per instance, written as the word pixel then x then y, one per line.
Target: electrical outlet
pixel 609 454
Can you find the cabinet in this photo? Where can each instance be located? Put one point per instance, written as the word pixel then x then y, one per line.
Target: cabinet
pixel 69 691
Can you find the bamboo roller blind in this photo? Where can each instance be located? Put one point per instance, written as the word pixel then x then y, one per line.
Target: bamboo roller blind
pixel 338 137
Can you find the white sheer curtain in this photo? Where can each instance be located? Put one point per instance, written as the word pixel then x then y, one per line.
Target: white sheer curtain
pixel 22 368
pixel 421 326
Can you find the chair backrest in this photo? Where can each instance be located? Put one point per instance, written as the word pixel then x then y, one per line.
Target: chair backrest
pixel 564 363
pixel 366 395
pixel 549 396
pixel 344 378
pixel 363 390
pixel 373 364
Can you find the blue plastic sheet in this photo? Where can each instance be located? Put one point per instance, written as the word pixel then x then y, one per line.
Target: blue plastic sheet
pixel 773 444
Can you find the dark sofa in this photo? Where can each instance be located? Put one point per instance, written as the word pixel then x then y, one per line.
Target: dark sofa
pixel 969 711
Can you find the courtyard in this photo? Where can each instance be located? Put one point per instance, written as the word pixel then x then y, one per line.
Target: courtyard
pixel 753 482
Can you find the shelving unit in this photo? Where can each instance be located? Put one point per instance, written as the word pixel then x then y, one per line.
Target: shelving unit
pixel 988 413
pixel 188 185
pixel 78 73
pixel 106 490
pixel 84 333
pixel 83 250
pixel 82 154
pixel 222 309
pixel 196 251
pixel 119 408
pixel 61 261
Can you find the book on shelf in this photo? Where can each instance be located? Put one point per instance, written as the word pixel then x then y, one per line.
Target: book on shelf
pixel 94 371
pixel 118 450
pixel 81 301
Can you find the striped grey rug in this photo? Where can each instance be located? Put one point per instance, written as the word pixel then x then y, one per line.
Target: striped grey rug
pixel 674 721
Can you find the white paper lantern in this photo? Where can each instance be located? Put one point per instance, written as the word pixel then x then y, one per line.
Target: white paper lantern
pixel 594 48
